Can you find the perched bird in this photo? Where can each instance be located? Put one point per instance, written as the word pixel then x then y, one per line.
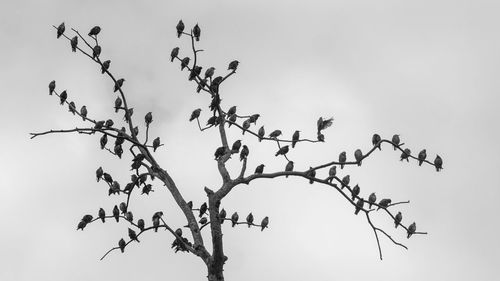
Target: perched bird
pixel 104 141
pixel 282 151
pixel 195 114
pixel 128 114
pixel 289 167
pixel 107 177
pixel 438 162
pixel 324 123
pixel 236 146
pixel 372 199
pixel 359 205
pixel 179 28
pixel 118 150
pixel 254 118
pixel 295 138
pixel 118 104
pixel 132 235
pixel 174 53
pixel 208 74
pixel 99 173
pixel 129 216
pixel 83 112
pixel 406 154
pixel 203 209
pixel 384 203
pixel 358 155
pixel 376 141
pixel 52 87
pixel 118 84
pixel 115 187
pixel 345 181
pixel 219 152
pixel 109 123
pixel 140 224
pixel 249 220
pixel 122 245
pixel 81 225
pixel 246 125
pixel 264 223
pixel 156 223
pixel 102 214
pixel 98 125
pixel 342 159
pixel 123 207
pixel 259 169
pixel 96 51
pixel 185 62
pixel 87 218
pixel 105 66
pixel 321 137
pixel 178 232
pixel 233 65
pixel 261 133
pixel 398 219
pixel 421 157
pixel 395 141
pixel 244 153
pixel 63 96
pixel 275 134
pixel 411 230
pixel 60 30
pixel 232 109
pixel 147 189
pixel 116 213
pixel 94 31
pixel 148 118
pixel 234 219
pixel 222 215
pixel 355 191
pixel 196 32
pixel 311 174
pixel 74 43
pixel 72 107
pixel 156 143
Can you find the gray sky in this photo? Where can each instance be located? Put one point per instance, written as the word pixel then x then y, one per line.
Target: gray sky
pixel 427 70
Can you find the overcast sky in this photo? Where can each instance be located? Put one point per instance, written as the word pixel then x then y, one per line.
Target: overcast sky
pixel 427 70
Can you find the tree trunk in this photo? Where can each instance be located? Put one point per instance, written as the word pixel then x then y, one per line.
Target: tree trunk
pixel 215 276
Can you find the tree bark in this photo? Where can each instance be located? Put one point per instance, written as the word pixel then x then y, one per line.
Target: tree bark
pixel 216 263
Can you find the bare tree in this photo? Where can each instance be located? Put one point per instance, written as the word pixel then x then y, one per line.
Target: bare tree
pixel 145 168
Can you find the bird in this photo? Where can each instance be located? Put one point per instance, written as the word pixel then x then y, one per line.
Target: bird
pixel 259 169
pixel 275 134
pixel 72 107
pixel 118 84
pixel 246 125
pixel 438 162
pixel 311 173
pixel 208 74
pixel 295 138
pixel 406 154
pixel 342 159
pixel 74 43
pixel 123 207
pixel 140 224
pixel 355 191
pixel 116 213
pixel 60 30
pixel 253 118
pixel 397 219
pixel 232 109
pixel 234 219
pixel 236 146
pixel 196 32
pixel 203 221
pixel 249 220
pixel 222 215
pixel 81 225
pixel 384 203
pixel 83 112
pixel 289 167
pixel 103 141
pixel 372 199
pixel 156 143
pixel 395 141
pixel 129 216
pixel 121 245
pixel 244 153
pixel 376 140
pixel 233 65
pixel 359 205
pixel 178 232
pixel 324 123
pixel 52 86
pixel 185 62
pixel 118 150
pixel 261 133
pixel 282 151
pixel 174 53
pixel 118 104
pixel 96 51
pixel 179 28
pixel 105 66
pixel 148 118
pixel 102 214
pixel 358 155
pixel 411 230
pixel 156 223
pixel 331 173
pixel 345 181
pixel 132 234
pixel 87 218
pixel 109 123
pixel 99 173
pixel 94 31
pixel 264 223
pixel 203 209
pixel 63 96
pixel 421 157
pixel 219 152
